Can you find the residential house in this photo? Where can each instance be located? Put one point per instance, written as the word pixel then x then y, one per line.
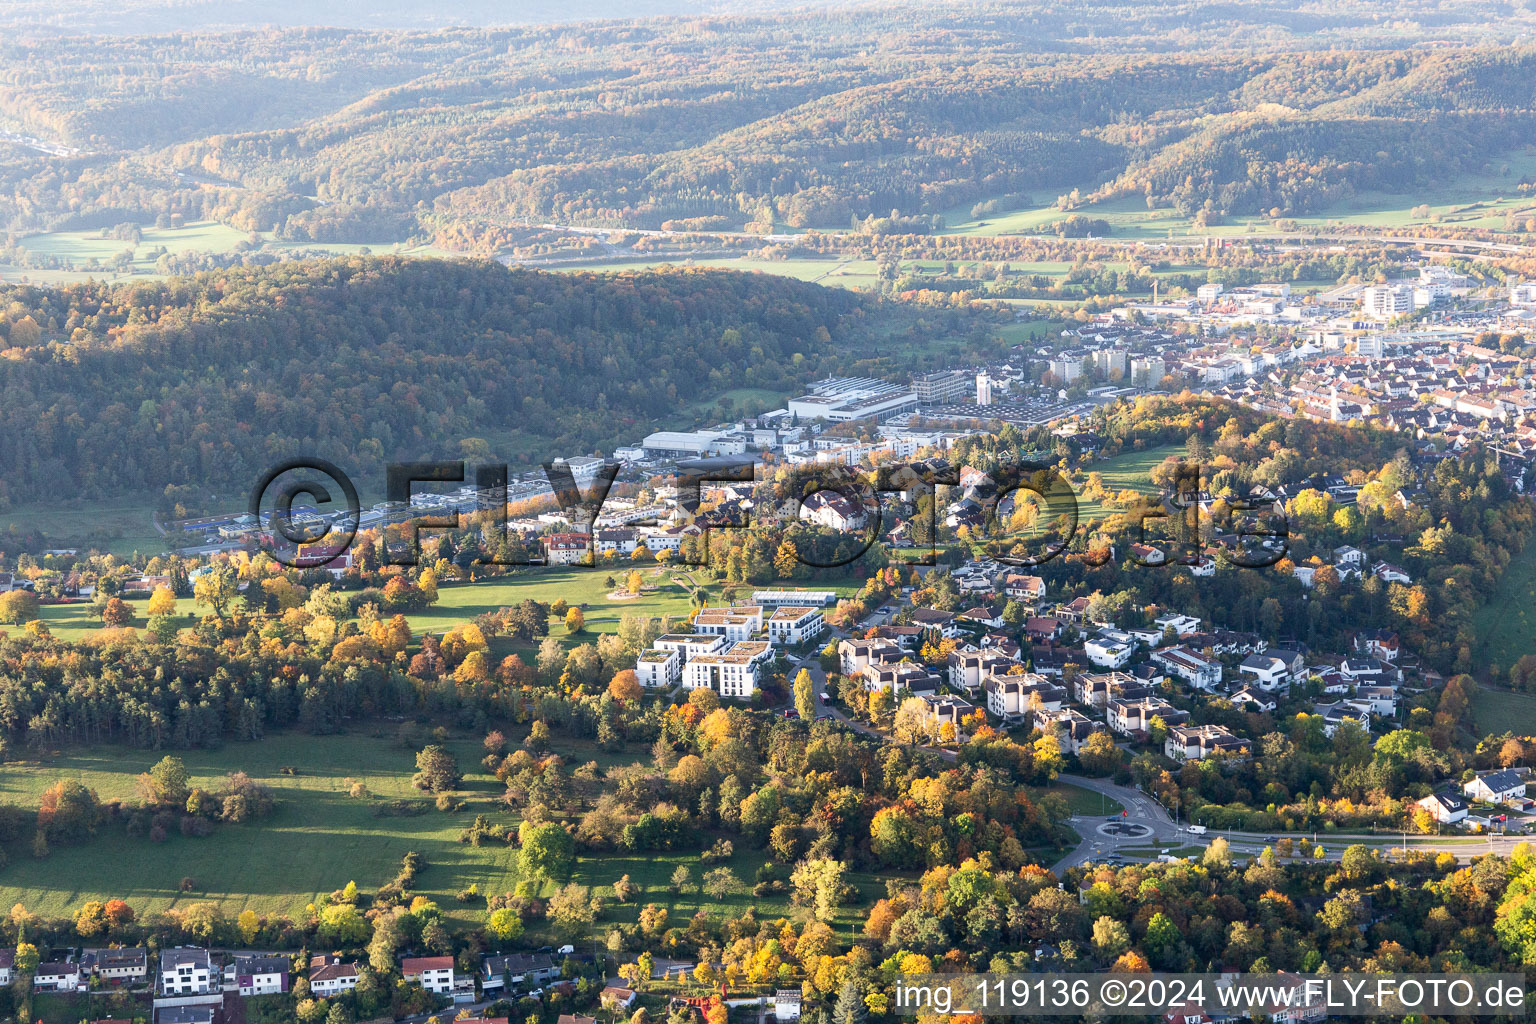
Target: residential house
pixel 1183 625
pixel 1378 643
pixel 1043 629
pixel 1267 671
pixel 329 975
pixel 1074 611
pixel 834 511
pixel 7 966
pixel 932 618
pixel 1251 699
pixel 259 975
pixel 1446 808
pixel 1389 573
pixel 786 1004
pixel 1110 649
pixel 1027 590
pixel 617 997
pixel 116 966
pixel 566 548
pixel 1382 700
pixel 433 973
pixel 56 976
pixel 1501 787
pixel 520 970
pixel 620 542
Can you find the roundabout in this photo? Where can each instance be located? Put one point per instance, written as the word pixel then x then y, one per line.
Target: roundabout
pixel 1124 830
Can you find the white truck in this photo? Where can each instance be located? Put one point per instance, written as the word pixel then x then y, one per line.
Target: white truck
pixel 1195 830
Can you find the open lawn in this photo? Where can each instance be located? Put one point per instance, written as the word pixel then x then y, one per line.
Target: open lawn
pixel 1506 625
pixel 1499 711
pixel 1084 803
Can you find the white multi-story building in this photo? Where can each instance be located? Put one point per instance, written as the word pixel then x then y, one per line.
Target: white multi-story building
pixel 1385 301
pixel 1191 666
pixel 1197 742
pixel 967 669
pixel 658 668
pixel 187 972
pixel 1523 294
pixel 1129 716
pixel 789 625
pixel 662 665
pixel 731 672
pixel 1109 651
pixel 741 622
pixel 1010 697
pixel 434 973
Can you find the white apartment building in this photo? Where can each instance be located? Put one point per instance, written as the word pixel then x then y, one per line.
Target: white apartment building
pixel 1130 716
pixel 1194 668
pixel 738 623
pixel 731 672
pixel 187 972
pixel 791 625
pixel 1197 742
pixel 662 665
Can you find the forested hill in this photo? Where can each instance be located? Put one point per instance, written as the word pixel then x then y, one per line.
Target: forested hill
pixel 811 118
pixel 208 380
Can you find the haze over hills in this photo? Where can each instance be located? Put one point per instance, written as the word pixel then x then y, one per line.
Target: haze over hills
pixel 812 118
pixel 138 17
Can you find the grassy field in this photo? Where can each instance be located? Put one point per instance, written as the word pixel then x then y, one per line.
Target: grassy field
pixel 1480 200
pixel 1506 625
pixel 317 839
pixel 1498 711
pixel 88 255
pixel 120 526
pixel 1085 802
